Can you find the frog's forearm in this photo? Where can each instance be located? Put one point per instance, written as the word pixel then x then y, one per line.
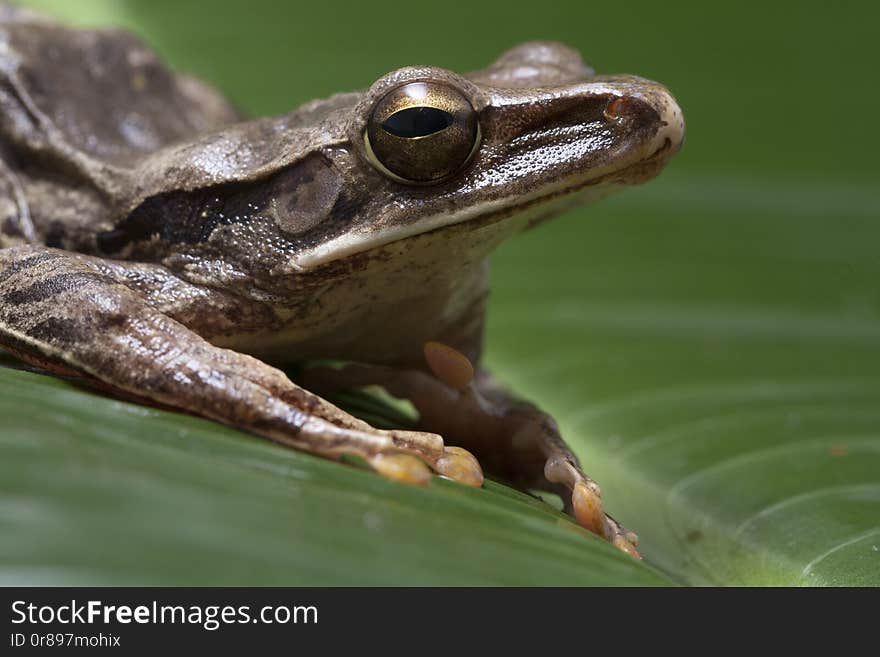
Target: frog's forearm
pixel 66 313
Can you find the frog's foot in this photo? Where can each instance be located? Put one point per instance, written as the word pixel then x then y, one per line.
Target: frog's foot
pixel 536 438
pixel 586 504
pixel 415 466
pixel 512 439
pixel 455 463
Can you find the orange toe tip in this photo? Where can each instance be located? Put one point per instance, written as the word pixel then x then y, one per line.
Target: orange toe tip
pixel 587 508
pixel 401 467
pixel 460 465
pixel 624 545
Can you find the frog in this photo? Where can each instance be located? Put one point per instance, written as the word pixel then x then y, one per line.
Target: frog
pixel 161 246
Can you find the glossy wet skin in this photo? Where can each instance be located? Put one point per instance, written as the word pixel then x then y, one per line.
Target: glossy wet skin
pixel 135 241
pixel 336 221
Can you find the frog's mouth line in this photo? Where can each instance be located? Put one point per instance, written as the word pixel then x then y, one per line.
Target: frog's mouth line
pixel 534 209
pixel 540 208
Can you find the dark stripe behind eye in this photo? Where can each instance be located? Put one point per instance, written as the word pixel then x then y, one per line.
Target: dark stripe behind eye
pixel 417 122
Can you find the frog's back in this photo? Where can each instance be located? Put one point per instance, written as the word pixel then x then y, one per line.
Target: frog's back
pixel 78 110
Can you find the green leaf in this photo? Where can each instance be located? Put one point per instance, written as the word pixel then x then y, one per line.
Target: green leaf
pixel 725 392
pixel 101 492
pixel 710 343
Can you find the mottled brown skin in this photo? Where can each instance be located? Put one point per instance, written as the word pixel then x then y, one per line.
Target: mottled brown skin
pixel 155 243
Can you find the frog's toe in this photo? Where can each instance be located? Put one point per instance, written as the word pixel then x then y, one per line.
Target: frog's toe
pixel 621 538
pixel 587 506
pixel 404 468
pixel 454 463
pixel 622 543
pixel 459 465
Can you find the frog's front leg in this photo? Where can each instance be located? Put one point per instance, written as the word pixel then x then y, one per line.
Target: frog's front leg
pixel 76 314
pixel 511 438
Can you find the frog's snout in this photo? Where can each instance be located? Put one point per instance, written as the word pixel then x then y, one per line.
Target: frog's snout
pixel 658 117
pixel 649 121
pixel 670 131
pixel 645 111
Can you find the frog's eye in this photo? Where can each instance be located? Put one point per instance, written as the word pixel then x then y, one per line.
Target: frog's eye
pixel 422 132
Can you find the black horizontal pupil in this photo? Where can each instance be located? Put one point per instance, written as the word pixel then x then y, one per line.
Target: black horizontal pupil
pixel 417 122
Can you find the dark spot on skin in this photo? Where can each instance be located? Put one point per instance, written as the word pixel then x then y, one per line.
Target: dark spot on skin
pixel 347 206
pixel 268 425
pixel 187 217
pixel 175 217
pixel 53 286
pixel 109 321
pixel 60 330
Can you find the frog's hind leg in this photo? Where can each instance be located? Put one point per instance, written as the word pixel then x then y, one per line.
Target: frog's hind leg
pixel 511 438
pixel 70 313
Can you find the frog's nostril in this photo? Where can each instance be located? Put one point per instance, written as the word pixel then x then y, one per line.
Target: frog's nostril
pixel 626 108
pixel 613 109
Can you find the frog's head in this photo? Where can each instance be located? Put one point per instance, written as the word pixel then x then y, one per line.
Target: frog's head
pixel 531 135
pixel 425 157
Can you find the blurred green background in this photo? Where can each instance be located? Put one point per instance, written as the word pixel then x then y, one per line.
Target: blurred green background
pixel 710 342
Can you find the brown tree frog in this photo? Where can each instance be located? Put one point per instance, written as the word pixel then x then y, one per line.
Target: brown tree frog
pixel 165 248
